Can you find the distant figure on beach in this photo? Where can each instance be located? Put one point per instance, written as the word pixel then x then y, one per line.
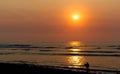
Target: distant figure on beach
pixel 87 67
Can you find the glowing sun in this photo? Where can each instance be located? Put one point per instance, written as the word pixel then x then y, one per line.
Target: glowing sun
pixel 75 17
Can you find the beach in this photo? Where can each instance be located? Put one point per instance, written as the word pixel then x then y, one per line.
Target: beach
pixel 15 68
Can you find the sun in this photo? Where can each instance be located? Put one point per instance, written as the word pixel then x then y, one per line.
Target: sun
pixel 75 16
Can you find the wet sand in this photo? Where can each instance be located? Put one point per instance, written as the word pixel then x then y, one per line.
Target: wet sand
pixel 15 68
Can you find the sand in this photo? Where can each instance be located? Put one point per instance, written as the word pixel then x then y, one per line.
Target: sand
pixel 16 68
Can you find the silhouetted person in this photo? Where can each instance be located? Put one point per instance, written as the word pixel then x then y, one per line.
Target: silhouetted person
pixel 87 67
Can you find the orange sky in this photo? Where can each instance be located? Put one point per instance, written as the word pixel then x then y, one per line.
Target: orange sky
pixel 50 20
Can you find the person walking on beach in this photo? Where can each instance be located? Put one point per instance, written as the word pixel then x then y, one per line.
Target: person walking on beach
pixel 87 67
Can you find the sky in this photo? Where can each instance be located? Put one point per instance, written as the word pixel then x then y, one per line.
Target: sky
pixel 51 20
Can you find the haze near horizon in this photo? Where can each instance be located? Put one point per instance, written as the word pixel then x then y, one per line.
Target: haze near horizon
pixel 52 20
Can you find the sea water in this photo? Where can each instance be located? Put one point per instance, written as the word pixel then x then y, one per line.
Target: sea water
pixel 100 56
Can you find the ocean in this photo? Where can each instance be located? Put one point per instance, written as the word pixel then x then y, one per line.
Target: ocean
pixel 72 55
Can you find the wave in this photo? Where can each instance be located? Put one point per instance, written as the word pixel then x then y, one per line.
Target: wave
pixel 97 51
pixel 84 54
pixel 6 53
pixel 69 54
pixel 57 46
pixel 16 46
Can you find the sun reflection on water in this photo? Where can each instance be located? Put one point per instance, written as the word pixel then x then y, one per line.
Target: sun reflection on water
pixel 76 61
pixel 75 51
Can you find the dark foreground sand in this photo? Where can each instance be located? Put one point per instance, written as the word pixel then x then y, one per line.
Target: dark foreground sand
pixel 11 68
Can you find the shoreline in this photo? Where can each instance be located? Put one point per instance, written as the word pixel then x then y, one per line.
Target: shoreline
pixel 18 68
